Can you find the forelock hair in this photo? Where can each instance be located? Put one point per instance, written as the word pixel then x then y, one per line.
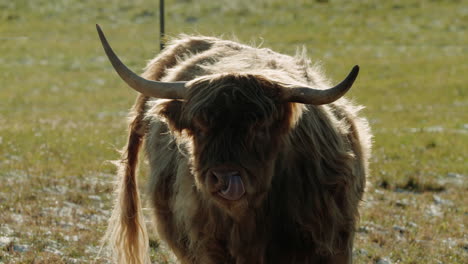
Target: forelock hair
pixel 228 89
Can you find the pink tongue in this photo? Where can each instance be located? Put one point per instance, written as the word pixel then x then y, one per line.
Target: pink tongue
pixel 234 190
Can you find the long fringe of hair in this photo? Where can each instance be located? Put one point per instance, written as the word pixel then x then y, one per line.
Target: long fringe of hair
pixel 126 235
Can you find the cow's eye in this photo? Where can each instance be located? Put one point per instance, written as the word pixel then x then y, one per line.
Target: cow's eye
pixel 199 128
pixel 200 133
pixel 261 133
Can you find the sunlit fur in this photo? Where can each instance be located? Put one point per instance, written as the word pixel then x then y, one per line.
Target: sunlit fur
pixel 303 166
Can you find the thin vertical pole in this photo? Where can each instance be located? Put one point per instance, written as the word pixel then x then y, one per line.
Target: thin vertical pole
pixel 161 24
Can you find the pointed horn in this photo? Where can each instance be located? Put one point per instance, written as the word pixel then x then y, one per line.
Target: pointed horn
pixel 167 90
pixel 307 95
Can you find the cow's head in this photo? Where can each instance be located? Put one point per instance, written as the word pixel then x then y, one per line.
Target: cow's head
pixel 228 123
pixel 234 126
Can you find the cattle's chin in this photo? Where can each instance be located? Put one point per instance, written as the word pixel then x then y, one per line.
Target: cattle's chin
pixel 237 209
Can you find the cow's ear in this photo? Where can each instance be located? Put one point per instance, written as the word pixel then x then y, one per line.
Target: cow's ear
pixel 171 111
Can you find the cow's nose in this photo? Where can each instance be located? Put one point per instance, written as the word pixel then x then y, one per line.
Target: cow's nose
pixel 227 183
pixel 218 179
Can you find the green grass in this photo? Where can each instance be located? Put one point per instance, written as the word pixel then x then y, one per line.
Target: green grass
pixel 62 112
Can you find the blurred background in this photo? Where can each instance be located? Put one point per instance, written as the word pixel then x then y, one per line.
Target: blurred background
pixel 63 113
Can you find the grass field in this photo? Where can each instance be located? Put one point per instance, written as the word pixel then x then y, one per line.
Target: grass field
pixel 63 109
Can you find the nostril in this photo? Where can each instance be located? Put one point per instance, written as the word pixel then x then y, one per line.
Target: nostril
pixel 214 181
pixel 224 187
pixel 214 178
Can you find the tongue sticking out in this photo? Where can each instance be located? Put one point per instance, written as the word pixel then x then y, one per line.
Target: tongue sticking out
pixel 234 189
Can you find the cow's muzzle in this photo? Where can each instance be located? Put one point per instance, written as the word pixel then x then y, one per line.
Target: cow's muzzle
pixel 226 183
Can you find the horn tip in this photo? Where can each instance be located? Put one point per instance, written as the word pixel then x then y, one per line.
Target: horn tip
pixel 98 28
pixel 355 68
pixel 354 73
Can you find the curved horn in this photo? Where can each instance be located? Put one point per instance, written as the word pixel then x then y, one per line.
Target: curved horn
pixel 307 95
pixel 167 90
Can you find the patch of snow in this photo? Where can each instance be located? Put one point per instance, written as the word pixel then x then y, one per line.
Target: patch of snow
pixel 383 261
pixel 440 201
pixel 21 248
pixel 360 252
pixel 4 241
pixel 6 230
pixel 454 175
pixel 434 210
pixel 400 229
pixel 17 218
pixel 53 251
pixel 74 238
pixel 94 197
pixel 450 242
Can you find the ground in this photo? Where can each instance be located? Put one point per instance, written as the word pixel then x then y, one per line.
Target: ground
pixel 63 109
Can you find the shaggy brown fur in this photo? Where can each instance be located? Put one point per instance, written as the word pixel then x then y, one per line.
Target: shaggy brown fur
pixel 303 166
